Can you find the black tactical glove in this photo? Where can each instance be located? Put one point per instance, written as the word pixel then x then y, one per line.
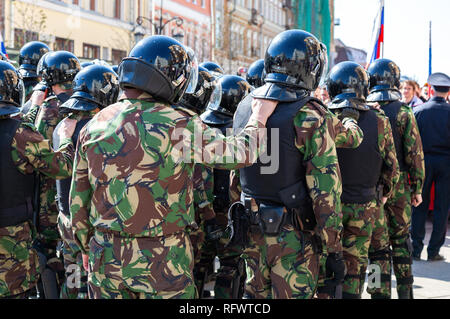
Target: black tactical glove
pixel 349 112
pixel 213 230
pixel 335 269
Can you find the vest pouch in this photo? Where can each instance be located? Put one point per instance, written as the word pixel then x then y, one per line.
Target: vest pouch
pixel 271 219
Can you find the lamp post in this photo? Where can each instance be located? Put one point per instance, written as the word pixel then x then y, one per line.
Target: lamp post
pixel 159 27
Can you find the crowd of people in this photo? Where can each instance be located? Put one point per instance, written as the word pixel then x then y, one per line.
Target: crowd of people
pixel 128 181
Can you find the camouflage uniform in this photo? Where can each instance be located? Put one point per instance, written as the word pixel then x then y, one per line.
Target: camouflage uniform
pixel 19 267
pixel 344 139
pixel 358 219
pixel 291 260
pixel 68 248
pixel 397 212
pixel 130 213
pixel 47 119
pixel 203 210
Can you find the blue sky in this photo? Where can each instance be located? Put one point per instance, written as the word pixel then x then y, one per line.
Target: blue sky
pixel 406 24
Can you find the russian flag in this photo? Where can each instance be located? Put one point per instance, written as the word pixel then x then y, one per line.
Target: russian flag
pixel 2 46
pixel 378 37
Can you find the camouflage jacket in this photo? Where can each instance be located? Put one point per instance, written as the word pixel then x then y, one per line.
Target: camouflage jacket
pixel 30 151
pixel 48 117
pixel 412 147
pixel 134 166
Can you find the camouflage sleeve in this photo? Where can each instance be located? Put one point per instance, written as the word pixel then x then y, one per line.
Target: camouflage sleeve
pixel 347 133
pixel 80 202
pixel 390 172
pixel 202 181
pixel 323 179
pixel 48 118
pixel 209 146
pixel 412 147
pixel 30 117
pixel 235 186
pixel 31 151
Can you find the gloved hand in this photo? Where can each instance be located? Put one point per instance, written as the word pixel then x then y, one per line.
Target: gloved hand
pixel 336 269
pixel 349 112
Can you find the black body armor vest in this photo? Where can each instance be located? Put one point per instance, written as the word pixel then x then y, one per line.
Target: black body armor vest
pixel 16 189
pixel 391 110
pixel 270 189
pixel 63 185
pixel 361 167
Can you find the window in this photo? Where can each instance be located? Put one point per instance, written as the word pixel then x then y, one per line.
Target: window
pixel 21 37
pixel 75 2
pixel 63 44
pixel 117 9
pixel 118 55
pixel 105 54
pixel 91 51
pixel 92 5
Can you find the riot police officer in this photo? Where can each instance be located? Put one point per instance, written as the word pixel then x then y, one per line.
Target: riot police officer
pixel 58 70
pixel 139 152
pixel 213 68
pixel 369 172
pixel 384 85
pixel 433 119
pixel 94 88
pixel 207 93
pixel 29 57
pixel 255 74
pixel 23 151
pixel 230 277
pixel 288 201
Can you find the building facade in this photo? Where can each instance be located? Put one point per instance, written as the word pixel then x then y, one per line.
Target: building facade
pixel 243 30
pixel 316 17
pixel 91 29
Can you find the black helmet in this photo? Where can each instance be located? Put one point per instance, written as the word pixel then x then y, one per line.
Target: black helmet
pixel 11 89
pixel 255 74
pixel 86 64
pixel 29 57
pixel 207 93
pixel 297 59
pixel 158 65
pixel 58 67
pixel 234 90
pixel 213 68
pixel 384 81
pixel 94 86
pixel 348 86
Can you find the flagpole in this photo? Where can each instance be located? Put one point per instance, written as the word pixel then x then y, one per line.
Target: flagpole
pixel 382 22
pixel 429 53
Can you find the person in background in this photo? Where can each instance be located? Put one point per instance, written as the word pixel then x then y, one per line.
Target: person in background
pixel 433 120
pixel 409 97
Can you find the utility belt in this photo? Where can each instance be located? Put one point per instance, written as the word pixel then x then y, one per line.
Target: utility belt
pixel 14 216
pixel 359 195
pixel 270 219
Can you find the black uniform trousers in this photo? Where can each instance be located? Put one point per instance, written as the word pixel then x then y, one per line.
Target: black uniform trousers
pixel 437 170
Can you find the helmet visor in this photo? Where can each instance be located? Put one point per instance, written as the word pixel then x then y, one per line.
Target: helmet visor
pixel 324 58
pixel 193 78
pixel 216 96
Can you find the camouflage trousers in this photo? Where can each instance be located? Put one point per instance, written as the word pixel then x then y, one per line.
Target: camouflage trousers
pixel 358 222
pixel 122 267
pixel 19 266
pixel 230 276
pixel 281 267
pixel 75 281
pixel 48 234
pixel 397 212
